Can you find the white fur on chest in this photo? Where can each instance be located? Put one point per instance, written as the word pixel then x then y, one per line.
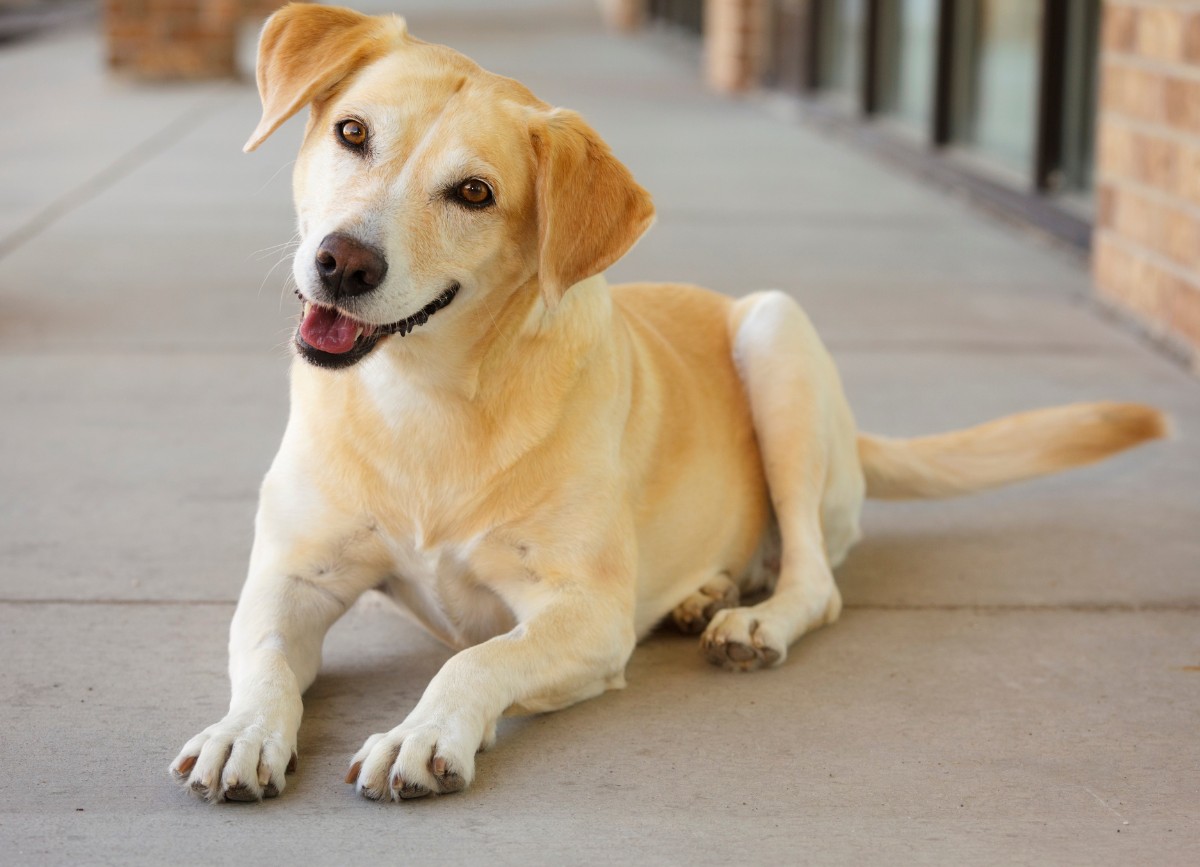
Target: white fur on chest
pixel 438 587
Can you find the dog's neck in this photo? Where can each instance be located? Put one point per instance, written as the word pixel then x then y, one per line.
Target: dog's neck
pixel 508 392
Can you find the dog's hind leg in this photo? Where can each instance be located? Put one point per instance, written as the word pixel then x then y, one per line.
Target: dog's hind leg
pixel 807 438
pixel 693 614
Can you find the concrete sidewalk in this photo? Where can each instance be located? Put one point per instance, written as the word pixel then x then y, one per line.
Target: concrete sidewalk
pixel 1016 677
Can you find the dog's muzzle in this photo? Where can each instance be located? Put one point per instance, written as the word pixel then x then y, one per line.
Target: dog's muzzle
pixel 330 337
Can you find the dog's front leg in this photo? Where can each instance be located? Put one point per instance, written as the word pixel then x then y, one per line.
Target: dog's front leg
pixel 304 574
pixel 573 649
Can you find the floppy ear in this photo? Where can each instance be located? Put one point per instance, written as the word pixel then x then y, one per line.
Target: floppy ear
pixel 306 50
pixel 590 210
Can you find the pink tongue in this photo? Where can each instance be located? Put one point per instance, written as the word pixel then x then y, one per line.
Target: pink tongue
pixel 328 330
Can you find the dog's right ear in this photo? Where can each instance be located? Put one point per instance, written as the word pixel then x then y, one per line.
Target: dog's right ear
pixel 590 210
pixel 306 50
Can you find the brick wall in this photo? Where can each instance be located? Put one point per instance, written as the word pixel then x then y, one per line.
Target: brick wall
pixel 735 42
pixel 1146 251
pixel 625 15
pixel 165 39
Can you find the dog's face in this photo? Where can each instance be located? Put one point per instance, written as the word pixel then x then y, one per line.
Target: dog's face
pixel 428 191
pixel 406 197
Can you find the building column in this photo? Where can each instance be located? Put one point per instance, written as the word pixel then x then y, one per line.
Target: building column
pixel 1146 249
pixel 624 15
pixel 173 39
pixel 734 43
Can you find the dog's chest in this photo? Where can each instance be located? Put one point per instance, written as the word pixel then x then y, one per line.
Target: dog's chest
pixel 437 585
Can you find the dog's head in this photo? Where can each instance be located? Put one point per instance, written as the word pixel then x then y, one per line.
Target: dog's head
pixel 428 188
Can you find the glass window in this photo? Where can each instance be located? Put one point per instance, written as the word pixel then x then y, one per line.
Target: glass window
pixel 996 79
pixel 1079 95
pixel 790 45
pixel 907 53
pixel 686 13
pixel 840 34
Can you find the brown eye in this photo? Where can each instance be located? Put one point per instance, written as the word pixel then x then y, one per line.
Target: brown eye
pixel 352 133
pixel 474 192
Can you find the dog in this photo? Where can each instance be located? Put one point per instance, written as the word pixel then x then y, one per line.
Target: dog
pixel 540 467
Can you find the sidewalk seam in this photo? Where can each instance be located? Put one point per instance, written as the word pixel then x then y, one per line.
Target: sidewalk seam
pixel 117 170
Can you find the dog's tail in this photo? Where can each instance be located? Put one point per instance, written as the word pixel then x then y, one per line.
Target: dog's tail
pixel 1009 449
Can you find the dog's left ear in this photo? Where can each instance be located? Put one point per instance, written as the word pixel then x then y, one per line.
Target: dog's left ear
pixel 590 210
pixel 307 50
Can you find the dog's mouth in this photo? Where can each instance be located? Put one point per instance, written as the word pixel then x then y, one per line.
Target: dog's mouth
pixel 329 337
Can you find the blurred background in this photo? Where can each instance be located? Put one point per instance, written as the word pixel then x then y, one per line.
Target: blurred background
pixel 984 205
pixel 1079 117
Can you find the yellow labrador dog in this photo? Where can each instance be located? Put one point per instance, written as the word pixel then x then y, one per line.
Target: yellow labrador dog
pixel 540 467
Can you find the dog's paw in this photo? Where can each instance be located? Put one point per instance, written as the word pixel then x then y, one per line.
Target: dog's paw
pixel 241 758
pixel 693 614
pixel 413 760
pixel 740 639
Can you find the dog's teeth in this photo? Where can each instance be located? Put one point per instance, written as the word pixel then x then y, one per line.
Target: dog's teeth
pixel 358 332
pixel 412 323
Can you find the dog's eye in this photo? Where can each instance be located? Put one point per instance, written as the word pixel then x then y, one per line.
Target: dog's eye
pixel 474 192
pixel 352 133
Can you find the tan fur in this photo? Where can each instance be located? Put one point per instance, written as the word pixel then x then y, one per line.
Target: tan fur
pixel 1010 449
pixel 548 467
pixel 590 210
pixel 288 80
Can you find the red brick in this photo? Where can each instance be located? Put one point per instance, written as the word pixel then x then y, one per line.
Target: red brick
pixel 1126 278
pixel 733 33
pixel 1137 218
pixel 1182 103
pixel 1119 31
pixel 172 38
pixel 1181 310
pixel 1114 147
pixel 1189 173
pixel 1156 161
pixel 1180 237
pixel 1191 39
pixel 1160 34
pixel 1160 296
pixel 1132 91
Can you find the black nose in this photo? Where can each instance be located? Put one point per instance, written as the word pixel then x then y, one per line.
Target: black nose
pixel 347 267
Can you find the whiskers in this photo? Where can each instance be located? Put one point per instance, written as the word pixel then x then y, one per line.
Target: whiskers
pixel 291 243
pixel 286 346
pixel 275 174
pixel 288 250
